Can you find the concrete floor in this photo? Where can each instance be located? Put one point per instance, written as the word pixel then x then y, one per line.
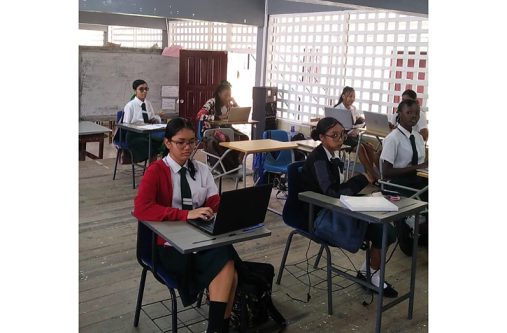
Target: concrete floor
pixel 109 273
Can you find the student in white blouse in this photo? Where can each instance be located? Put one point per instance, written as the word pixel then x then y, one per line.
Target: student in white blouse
pixel 367 154
pixel 140 111
pixel 422 125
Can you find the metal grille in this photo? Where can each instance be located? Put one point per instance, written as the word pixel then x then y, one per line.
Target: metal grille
pixel 311 57
pixel 201 35
pixel 135 37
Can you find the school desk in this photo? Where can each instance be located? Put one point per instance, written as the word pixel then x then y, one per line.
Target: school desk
pixel 147 129
pixel 91 132
pixel 407 207
pixel 187 239
pixel 252 123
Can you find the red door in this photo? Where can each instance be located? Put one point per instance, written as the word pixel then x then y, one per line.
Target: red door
pixel 200 73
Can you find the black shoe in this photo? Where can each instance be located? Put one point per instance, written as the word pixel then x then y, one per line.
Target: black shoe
pixel 405 237
pixel 389 291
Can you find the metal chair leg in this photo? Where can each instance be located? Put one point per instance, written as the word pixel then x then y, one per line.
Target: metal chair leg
pixel 284 258
pixel 144 168
pixel 116 163
pixel 329 282
pixel 317 260
pixel 199 299
pixel 140 296
pixel 174 310
pixel 133 171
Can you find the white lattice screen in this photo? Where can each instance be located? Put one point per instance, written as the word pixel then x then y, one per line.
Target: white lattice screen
pixel 202 35
pixel 135 37
pixel 311 57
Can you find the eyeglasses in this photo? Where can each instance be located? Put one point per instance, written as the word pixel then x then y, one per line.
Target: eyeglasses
pixel 338 135
pixel 182 144
pixel 143 89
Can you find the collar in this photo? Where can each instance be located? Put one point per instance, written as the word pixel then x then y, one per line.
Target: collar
pixel 328 153
pixel 138 101
pixel 175 167
pixel 404 131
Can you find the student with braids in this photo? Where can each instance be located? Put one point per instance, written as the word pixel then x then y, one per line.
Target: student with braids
pixel 422 125
pixel 218 106
pixel 367 154
pixel 178 188
pixel 321 174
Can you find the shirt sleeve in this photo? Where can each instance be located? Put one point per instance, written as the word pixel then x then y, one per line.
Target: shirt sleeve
pixel 389 149
pixel 423 121
pixel 212 196
pixel 332 187
pixel 128 113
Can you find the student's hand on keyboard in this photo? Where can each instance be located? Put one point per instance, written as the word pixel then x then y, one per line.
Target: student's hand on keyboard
pixel 204 213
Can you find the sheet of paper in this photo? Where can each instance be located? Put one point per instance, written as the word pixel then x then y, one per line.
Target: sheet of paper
pixel 168 104
pixel 170 91
pixel 368 204
pixel 152 126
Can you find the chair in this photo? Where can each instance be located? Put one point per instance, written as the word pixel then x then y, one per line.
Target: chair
pixel 278 161
pixel 386 182
pixel 147 258
pixel 121 145
pixel 216 162
pixel 298 215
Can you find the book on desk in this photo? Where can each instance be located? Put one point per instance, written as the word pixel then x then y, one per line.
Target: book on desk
pixel 368 204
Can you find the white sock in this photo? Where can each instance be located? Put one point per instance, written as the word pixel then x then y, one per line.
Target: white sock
pixel 363 268
pixel 375 278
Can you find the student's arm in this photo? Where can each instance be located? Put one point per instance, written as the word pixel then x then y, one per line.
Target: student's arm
pixel 424 134
pixel 390 172
pixel 212 199
pixel 332 187
pixel 233 102
pixel 206 109
pixel 146 207
pixel 423 126
pixel 128 113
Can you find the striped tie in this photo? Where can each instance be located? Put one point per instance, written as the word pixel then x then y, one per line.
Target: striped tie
pixel 186 194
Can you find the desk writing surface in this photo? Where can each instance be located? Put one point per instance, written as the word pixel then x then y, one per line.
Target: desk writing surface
pixel 226 122
pixel 88 127
pixel 186 238
pixel 406 207
pixel 143 128
pixel 259 146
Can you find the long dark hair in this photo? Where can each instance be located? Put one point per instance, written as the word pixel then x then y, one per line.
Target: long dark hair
pixel 218 102
pixel 172 128
pixel 346 90
pixel 323 126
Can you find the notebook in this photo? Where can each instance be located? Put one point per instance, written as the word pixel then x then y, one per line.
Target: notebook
pixel 368 204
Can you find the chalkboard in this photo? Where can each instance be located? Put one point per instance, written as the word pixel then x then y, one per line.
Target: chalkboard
pixel 106 76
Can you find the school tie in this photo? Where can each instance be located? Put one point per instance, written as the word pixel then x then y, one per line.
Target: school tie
pixel 415 157
pixel 145 114
pixel 186 194
pixel 337 163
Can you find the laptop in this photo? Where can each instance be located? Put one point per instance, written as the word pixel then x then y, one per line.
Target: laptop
pixel 343 116
pixel 239 210
pixel 238 114
pixel 377 123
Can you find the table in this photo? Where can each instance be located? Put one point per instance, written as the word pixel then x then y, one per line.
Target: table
pixel 253 124
pixel 257 146
pixel 91 132
pixel 407 207
pixel 144 129
pixel 187 239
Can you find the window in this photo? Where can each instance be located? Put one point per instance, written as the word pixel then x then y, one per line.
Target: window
pixel 135 37
pixel 91 37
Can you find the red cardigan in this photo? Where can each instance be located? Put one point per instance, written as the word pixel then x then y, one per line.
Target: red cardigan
pixel 154 197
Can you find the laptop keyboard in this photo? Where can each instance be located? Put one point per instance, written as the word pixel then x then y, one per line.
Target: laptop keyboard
pixel 208 225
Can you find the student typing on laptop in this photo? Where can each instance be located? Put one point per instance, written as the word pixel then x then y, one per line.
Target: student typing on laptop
pixel 367 154
pixel 179 188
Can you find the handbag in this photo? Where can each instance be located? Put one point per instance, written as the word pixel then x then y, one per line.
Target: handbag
pixel 340 230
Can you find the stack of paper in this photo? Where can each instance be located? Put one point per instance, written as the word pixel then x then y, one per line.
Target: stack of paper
pixel 153 126
pixel 368 204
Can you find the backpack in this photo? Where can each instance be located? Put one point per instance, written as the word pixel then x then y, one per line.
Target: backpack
pixel 253 305
pixel 298 155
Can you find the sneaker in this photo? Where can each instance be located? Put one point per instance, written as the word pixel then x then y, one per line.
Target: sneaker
pixel 389 291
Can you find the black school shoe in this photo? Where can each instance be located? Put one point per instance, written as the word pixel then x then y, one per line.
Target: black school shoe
pixel 389 291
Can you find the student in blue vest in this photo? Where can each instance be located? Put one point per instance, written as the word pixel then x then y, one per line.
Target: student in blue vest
pixel 322 174
pixel 140 111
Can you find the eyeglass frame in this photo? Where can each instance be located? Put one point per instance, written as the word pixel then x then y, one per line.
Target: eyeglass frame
pixel 143 89
pixel 182 144
pixel 343 136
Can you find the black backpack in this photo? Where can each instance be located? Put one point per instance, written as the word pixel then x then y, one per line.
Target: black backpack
pixel 253 305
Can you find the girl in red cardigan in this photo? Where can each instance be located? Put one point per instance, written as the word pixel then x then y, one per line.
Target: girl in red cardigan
pixel 159 199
